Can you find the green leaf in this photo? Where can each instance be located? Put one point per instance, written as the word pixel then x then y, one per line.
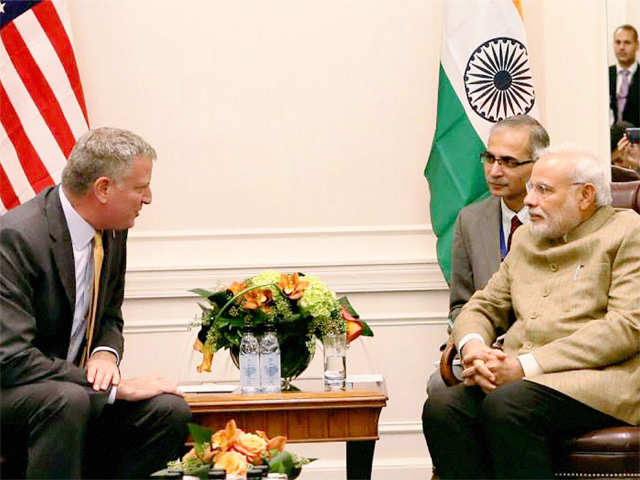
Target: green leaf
pixel 302 461
pixel 344 301
pixel 289 319
pixel 281 463
pixel 199 433
pixel 366 330
pixel 202 292
pixel 205 308
pixel 220 297
pixel 236 322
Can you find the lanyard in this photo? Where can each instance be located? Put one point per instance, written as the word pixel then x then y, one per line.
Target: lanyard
pixel 503 246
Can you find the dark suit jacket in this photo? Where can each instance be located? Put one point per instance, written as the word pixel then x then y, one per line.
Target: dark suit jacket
pixel 631 111
pixel 37 293
pixel 475 255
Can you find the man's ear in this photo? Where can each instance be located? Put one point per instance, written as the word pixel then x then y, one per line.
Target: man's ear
pixel 587 196
pixel 102 188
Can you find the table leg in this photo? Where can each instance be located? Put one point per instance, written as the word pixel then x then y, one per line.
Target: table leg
pixel 360 459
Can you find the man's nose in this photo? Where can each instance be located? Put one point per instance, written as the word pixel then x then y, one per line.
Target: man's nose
pixel 147 197
pixel 530 198
pixel 496 169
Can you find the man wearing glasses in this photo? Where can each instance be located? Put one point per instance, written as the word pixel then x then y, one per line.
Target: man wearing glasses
pixel 484 229
pixel 567 296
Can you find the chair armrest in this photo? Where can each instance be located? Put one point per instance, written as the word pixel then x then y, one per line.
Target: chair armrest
pixel 446 364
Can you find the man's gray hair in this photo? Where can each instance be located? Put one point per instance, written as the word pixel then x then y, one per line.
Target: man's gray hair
pixel 538 136
pixel 588 169
pixel 103 152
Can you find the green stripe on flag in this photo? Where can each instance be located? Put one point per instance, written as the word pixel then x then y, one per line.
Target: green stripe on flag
pixel 454 171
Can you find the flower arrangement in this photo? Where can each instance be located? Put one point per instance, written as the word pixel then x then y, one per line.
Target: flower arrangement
pixel 302 308
pixel 236 451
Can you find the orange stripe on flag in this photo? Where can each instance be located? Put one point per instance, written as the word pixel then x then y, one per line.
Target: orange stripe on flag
pixel 516 3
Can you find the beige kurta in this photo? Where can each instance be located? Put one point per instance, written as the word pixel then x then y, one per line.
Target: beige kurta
pixel 577 310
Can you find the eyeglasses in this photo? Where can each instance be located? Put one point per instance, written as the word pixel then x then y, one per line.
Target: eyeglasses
pixel 543 190
pixel 488 158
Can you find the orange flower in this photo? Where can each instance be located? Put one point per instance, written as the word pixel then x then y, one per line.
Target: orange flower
pixel 354 326
pixel 277 443
pixel 236 287
pixel 224 439
pixel 251 446
pixel 207 356
pixel 258 298
pixel 206 457
pixel 292 286
pixel 233 462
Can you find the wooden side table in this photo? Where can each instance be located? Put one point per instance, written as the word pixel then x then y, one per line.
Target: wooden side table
pixel 309 415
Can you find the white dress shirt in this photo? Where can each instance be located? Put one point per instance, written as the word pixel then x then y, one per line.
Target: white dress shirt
pixel 507 215
pixel 82 241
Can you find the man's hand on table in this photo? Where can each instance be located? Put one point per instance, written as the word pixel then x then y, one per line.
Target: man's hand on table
pixel 142 388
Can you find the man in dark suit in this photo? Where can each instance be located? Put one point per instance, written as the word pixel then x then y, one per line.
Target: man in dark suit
pixel 483 229
pixel 624 78
pixel 60 348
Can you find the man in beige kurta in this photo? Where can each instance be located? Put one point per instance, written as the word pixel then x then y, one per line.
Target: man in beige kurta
pixel 571 359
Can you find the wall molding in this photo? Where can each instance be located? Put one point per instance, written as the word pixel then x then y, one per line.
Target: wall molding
pixel 260 248
pixel 281 231
pixel 370 277
pixel 399 428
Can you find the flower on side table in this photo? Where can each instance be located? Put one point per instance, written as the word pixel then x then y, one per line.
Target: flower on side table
pixel 302 308
pixel 236 451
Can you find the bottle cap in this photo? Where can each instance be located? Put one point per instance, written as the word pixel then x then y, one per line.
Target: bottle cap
pixel 247 328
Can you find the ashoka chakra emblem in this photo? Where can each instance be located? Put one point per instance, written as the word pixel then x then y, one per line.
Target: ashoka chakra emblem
pixel 498 79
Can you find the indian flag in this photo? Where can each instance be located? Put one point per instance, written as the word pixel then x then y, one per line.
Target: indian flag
pixel 484 78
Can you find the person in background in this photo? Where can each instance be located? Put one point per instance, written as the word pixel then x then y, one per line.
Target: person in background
pixel 624 79
pixel 629 154
pixel 62 273
pixel 484 229
pixel 567 297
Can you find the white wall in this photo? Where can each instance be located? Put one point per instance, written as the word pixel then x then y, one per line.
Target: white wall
pixel 294 134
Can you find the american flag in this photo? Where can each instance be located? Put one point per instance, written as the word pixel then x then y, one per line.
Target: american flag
pixel 42 109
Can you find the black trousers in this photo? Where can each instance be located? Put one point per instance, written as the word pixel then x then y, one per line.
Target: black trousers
pixel 67 436
pixel 509 433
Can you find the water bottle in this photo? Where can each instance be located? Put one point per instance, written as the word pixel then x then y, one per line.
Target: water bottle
pixel 249 362
pixel 270 360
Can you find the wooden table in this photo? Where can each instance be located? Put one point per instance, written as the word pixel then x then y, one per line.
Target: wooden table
pixel 309 415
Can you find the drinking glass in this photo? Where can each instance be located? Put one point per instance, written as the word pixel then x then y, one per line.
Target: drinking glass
pixel 335 359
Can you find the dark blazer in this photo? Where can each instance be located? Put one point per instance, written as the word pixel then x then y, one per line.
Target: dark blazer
pixel 37 293
pixel 631 111
pixel 475 255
